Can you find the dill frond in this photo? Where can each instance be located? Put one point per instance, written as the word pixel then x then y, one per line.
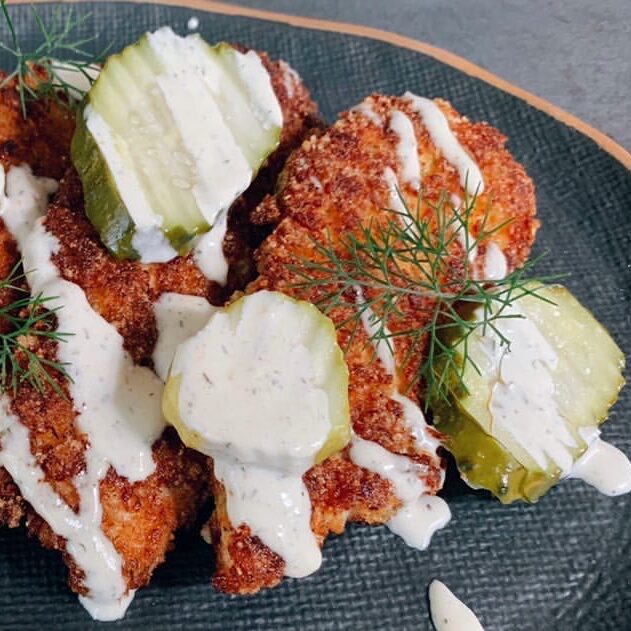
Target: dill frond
pixel 410 255
pixel 27 317
pixel 42 71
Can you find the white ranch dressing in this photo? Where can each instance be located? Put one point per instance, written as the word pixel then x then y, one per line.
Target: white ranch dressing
pixel 193 23
pixel 204 132
pixel 603 465
pixel 495 264
pixel 466 239
pixel 75 78
pixel 276 506
pixel 523 407
pixel 91 550
pixel 208 252
pixel 407 149
pixel 118 403
pixel 421 514
pixel 178 317
pixel 290 78
pixel 448 612
pixel 525 391
pixel 395 202
pixel 365 110
pixel 278 420
pixel 446 142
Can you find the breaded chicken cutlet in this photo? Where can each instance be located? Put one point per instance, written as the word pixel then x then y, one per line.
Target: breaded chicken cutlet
pixel 140 518
pixel 335 184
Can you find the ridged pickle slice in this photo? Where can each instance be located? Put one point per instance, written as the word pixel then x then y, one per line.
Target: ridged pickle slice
pixel 170 134
pixel 524 417
pixel 264 382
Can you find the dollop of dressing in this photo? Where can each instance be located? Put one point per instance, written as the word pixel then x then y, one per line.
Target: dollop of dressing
pixel 252 391
pixel 209 254
pixel 421 514
pixel 446 142
pixel 117 404
pixel 178 317
pixel 603 465
pixel 448 612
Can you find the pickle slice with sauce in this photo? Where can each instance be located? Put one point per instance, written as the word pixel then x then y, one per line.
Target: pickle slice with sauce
pixel 170 134
pixel 264 382
pixel 528 413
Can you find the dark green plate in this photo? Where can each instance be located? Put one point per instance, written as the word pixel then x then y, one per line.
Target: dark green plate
pixel 563 564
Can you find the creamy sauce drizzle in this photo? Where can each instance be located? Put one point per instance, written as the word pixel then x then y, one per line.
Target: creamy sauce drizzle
pixel 603 465
pixel 117 404
pixel 290 78
pixel 74 77
pixel 395 203
pixel 178 317
pixel 407 149
pixel 447 143
pixel 525 390
pixel 421 514
pixel 448 612
pixel 365 110
pixel 209 254
pixel 267 438
pixel 466 239
pixel 495 264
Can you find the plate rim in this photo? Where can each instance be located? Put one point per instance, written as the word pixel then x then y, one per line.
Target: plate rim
pixel 605 142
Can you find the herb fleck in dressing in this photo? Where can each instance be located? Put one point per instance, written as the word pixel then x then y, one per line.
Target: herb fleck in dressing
pixel 262 389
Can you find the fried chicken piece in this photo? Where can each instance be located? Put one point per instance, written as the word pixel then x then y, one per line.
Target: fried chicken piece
pixel 333 185
pixel 139 518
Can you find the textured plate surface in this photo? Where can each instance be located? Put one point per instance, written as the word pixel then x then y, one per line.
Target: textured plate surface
pixel 562 564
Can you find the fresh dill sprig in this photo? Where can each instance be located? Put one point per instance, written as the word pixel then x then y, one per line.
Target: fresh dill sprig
pixel 414 256
pixel 60 56
pixel 23 318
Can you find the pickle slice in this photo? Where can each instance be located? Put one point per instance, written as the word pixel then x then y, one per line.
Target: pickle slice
pixel 527 413
pixel 264 382
pixel 170 134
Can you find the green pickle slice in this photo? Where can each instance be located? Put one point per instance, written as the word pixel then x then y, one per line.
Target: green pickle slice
pixel 556 406
pixel 170 134
pixel 248 351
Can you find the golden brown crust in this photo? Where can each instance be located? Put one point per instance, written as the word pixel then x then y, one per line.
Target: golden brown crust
pixel 335 184
pixel 41 140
